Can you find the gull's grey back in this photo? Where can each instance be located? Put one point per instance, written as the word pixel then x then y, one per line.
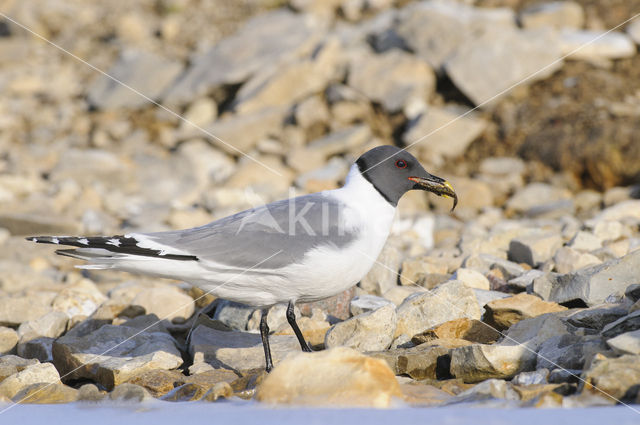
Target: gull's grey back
pixel 291 227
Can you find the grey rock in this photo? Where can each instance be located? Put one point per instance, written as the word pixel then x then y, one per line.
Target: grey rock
pixel 372 331
pixel 626 343
pixel 419 362
pixel 559 376
pixel 383 276
pixel 38 348
pixel 421 311
pixel 633 292
pixel 477 362
pixel 234 315
pixel 130 392
pixel 269 38
pixel 597 317
pixel 485 67
pixel 485 297
pixel 536 195
pixel 568 260
pixel 568 351
pixel 531 378
pixel 533 332
pixel 81 298
pixel 485 262
pixel 237 350
pixel 146 72
pixel 366 303
pixel 392 79
pixel 622 211
pixel 525 280
pixel 594 285
pixel 240 132
pixel 447 133
pixel 112 354
pixel 341 141
pixel 534 249
pixel 595 45
pixel 630 322
pixel 557 14
pixel 8 340
pixel 426 27
pixel 585 241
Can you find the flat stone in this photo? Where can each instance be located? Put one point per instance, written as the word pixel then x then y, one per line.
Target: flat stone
pixel 447 135
pixel 568 260
pixel 52 325
pixel 149 73
pixel 337 377
pixel 621 211
pixel 472 279
pixel 113 354
pixel 240 132
pixel 414 271
pixel 46 393
pixel 451 300
pixel 533 332
pixel 17 309
pixel 569 351
pixel 502 314
pixel 557 14
pixel 485 67
pixel 534 249
pixel 265 40
pixel 613 376
pixel 597 317
pixel 281 85
pixel 467 329
pixel 32 374
pixel 491 389
pixel 526 279
pixel 421 362
pixel 626 343
pixel 485 297
pixel 8 340
pixel 630 322
pixel 79 299
pixel 535 195
pixel 372 331
pixel 475 363
pixel 392 79
pixel 595 45
pixel 166 302
pixel 237 350
pixel 366 303
pixel 398 294
pixel 341 141
pixel 426 27
pixel 595 284
pixel 585 241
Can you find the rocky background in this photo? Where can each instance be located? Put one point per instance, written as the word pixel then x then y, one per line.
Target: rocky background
pixel 527 295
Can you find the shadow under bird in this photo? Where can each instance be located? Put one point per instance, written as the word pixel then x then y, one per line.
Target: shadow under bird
pixel 301 249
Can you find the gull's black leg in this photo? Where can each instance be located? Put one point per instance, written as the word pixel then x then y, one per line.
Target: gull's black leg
pixel 291 318
pixel 264 333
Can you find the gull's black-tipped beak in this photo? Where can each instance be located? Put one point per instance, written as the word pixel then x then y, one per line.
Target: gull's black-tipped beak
pixel 436 185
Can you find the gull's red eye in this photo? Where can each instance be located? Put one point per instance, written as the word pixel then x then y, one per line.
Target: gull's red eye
pixel 401 163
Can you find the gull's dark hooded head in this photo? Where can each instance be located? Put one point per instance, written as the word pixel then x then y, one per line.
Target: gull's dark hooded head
pixel 394 172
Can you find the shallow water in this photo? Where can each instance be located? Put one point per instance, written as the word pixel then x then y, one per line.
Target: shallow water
pixel 253 413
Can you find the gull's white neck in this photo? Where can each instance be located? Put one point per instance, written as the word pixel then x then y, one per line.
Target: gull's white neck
pixel 360 195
